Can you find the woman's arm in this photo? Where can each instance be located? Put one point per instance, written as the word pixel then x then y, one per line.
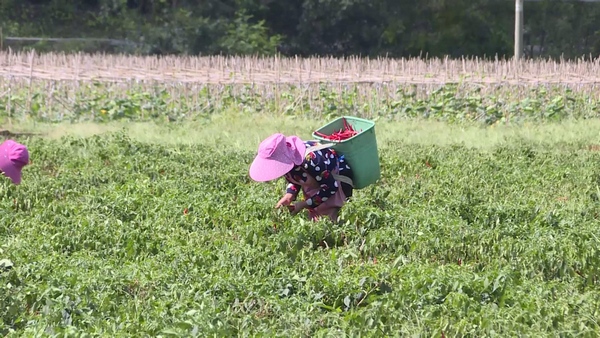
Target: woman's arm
pixel 292 189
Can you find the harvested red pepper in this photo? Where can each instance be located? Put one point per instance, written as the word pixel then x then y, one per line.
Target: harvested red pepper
pixel 344 134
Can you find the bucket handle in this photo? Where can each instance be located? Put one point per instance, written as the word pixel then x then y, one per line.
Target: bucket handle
pixel 341 178
pixel 319 147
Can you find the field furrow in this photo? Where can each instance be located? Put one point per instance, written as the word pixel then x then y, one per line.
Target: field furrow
pixel 248 70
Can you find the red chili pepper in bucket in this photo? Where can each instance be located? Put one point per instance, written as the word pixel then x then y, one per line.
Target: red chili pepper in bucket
pixel 341 135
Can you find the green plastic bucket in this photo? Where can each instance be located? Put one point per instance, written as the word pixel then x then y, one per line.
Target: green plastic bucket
pixel 360 151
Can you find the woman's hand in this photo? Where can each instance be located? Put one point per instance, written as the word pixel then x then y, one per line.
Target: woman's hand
pixel 297 207
pixel 287 199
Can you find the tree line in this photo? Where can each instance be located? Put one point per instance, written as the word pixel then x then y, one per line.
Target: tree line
pixel 396 28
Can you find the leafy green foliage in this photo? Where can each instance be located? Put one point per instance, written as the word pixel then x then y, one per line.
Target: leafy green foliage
pixel 454 103
pixel 111 236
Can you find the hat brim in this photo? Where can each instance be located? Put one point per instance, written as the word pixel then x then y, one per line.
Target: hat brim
pixel 263 170
pixel 14 175
pixel 9 170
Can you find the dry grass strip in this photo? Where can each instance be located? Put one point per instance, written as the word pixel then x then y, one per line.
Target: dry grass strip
pixel 255 70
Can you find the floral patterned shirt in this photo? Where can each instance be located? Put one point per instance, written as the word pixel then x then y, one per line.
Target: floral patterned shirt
pixel 320 165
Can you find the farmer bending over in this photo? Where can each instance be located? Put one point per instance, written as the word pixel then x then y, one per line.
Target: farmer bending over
pixel 316 172
pixel 13 157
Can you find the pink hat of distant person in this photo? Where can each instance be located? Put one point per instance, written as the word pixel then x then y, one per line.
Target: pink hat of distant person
pixel 13 157
pixel 277 155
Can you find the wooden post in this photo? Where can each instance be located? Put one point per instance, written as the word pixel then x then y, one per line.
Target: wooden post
pixel 518 29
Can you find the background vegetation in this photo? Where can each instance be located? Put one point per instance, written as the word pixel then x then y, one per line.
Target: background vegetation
pixel 306 27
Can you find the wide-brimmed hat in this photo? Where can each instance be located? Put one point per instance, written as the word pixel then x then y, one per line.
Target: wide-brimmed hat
pixel 13 157
pixel 277 155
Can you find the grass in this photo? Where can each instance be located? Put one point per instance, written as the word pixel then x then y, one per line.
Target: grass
pixel 123 230
pixel 244 132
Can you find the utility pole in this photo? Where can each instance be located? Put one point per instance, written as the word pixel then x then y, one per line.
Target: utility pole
pixel 518 29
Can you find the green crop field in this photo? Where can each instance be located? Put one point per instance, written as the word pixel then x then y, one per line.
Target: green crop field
pixel 137 218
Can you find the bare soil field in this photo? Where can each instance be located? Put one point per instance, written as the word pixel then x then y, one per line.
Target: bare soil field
pixel 255 70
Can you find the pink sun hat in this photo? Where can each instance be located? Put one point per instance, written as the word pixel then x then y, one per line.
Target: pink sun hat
pixel 277 155
pixel 13 157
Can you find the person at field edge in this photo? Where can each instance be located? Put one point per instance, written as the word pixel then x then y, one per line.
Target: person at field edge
pixel 316 173
pixel 13 157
